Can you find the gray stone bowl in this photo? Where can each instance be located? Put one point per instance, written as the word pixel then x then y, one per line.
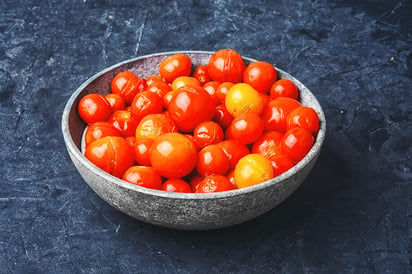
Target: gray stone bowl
pixel 181 210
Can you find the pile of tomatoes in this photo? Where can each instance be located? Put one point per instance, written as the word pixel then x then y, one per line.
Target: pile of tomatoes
pixel 210 128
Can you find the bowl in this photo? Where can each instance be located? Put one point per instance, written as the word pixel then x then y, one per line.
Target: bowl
pixel 184 211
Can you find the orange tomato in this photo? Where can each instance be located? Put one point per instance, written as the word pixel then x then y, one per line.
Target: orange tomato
pixel 184 81
pixel 253 169
pixel 242 98
pixel 154 125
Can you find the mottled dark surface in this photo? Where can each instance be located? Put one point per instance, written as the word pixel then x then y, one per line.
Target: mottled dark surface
pixel 352 215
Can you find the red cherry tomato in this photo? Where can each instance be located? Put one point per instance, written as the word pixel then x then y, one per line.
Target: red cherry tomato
pixel 125 122
pixel 155 78
pixel 176 185
pixel 211 88
pixel 207 133
pixel 142 148
pixel 234 151
pixel 127 85
pixel 174 66
pixel 144 176
pixel 201 74
pixel 145 103
pixel 154 125
pixel 168 98
pixel 131 140
pixel 222 90
pixel 296 143
pixel 260 75
pixel 191 105
pixel 280 163
pixel 173 155
pixel 246 128
pixel 226 65
pixel 212 160
pixel 116 101
pixel 112 154
pixel 160 88
pixel 231 176
pixel 284 88
pixel 94 108
pixel 304 117
pixel 276 111
pixel 222 116
pixel 194 181
pixel 214 183
pixel 99 130
pixel 268 144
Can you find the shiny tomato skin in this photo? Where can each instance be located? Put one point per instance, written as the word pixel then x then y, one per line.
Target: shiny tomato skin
pixel 182 81
pixel 167 98
pixel 127 85
pixel 173 155
pixel 142 148
pixel 284 88
pixel 280 163
pixel 160 88
pixel 253 169
pixel 222 90
pixel 99 130
pixel 226 65
pixel 304 117
pixel 260 75
pixel 214 183
pixel 207 133
pixel 112 154
pixel 176 185
pixel 276 111
pixel 116 101
pixel 145 103
pixel 201 74
pixel 296 143
pixel 93 108
pixel 222 116
pixel 144 176
pixel 189 106
pixel 211 88
pixel 125 122
pixel 246 128
pixel 242 98
pixel 194 181
pixel 155 78
pixel 175 66
pixel 234 151
pixel 154 125
pixel 212 160
pixel 268 144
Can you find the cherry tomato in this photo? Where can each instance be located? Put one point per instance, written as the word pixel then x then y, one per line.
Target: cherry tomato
pixel 226 65
pixel 144 176
pixel 304 117
pixel 260 75
pixel 268 144
pixel 242 98
pixel 176 185
pixel 125 122
pixel 280 163
pixel 154 125
pixel 222 90
pixel 167 99
pixel 131 140
pixel 276 111
pixel 160 88
pixel 155 78
pixel 284 88
pixel 94 108
pixel 211 88
pixel 231 177
pixel 207 133
pixel 201 74
pixel 214 183
pixel 296 143
pixel 99 130
pixel 191 105
pixel 194 181
pixel 174 66
pixel 112 154
pixel 234 151
pixel 116 101
pixel 142 151
pixel 182 81
pixel 127 85
pixel 222 116
pixel 253 169
pixel 145 103
pixel 246 128
pixel 173 155
pixel 212 160
pixel 192 139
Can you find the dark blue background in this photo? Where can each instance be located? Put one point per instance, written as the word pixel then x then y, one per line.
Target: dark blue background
pixel 353 214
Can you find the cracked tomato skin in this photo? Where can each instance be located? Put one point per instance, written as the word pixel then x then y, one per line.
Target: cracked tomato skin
pixel 226 65
pixel 125 122
pixel 154 125
pixel 112 154
pixel 234 151
pixel 175 66
pixel 144 176
pixel 173 155
pixel 189 106
pixel 127 85
pixel 207 133
pixel 214 183
pixel 276 112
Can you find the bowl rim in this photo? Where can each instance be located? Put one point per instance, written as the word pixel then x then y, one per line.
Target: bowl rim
pixel 72 148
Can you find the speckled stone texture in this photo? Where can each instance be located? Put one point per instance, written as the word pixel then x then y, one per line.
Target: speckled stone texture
pixel 351 215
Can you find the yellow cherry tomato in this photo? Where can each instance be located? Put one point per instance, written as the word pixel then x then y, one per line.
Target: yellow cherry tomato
pixel 243 98
pixel 252 169
pixel 184 81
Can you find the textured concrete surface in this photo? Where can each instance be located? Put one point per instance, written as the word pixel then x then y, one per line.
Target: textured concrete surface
pixel 352 214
